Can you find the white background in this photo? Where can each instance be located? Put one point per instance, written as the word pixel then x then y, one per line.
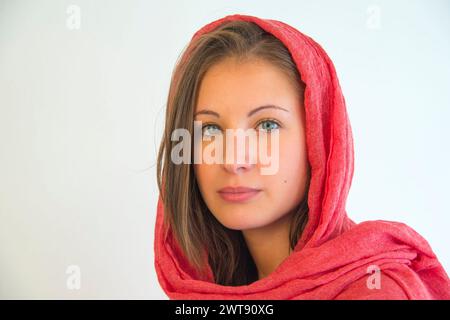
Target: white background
pixel 81 113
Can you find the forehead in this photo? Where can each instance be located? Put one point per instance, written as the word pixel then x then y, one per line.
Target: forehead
pixel 232 85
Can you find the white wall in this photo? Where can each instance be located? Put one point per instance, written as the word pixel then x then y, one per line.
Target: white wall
pixel 81 114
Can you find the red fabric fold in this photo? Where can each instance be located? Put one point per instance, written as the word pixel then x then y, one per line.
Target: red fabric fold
pixel 333 257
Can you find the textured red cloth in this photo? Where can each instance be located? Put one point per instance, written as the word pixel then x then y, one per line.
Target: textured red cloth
pixel 332 258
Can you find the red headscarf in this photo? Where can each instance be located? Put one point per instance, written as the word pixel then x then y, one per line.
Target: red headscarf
pixel 335 258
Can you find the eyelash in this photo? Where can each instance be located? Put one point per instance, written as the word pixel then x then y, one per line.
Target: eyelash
pixel 259 123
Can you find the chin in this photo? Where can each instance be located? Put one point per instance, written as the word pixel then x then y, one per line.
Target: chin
pixel 237 222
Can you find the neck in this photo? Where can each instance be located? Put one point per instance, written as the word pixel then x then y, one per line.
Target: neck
pixel 269 245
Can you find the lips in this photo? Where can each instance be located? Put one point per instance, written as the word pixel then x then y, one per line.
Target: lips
pixel 238 194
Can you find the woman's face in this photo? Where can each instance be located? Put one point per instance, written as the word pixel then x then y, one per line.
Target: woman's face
pixel 232 90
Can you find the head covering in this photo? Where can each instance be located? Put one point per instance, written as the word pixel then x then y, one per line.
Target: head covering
pixel 335 258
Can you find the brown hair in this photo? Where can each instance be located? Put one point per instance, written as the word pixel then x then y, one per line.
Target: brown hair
pixel 199 234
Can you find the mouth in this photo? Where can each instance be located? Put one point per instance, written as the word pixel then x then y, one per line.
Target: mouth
pixel 238 194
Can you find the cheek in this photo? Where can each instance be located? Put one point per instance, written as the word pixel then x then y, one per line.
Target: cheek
pixel 199 173
pixel 204 175
pixel 292 164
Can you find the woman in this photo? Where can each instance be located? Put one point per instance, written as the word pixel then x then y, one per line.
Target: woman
pixel 230 230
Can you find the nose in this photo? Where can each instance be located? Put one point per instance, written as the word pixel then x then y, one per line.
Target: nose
pixel 237 168
pixel 242 159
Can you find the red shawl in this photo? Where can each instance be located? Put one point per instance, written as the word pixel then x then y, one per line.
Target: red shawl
pixel 335 258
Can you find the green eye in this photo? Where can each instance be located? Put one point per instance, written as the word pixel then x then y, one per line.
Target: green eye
pixel 269 125
pixel 210 129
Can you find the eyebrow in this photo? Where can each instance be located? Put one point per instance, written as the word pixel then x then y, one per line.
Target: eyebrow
pixel 268 106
